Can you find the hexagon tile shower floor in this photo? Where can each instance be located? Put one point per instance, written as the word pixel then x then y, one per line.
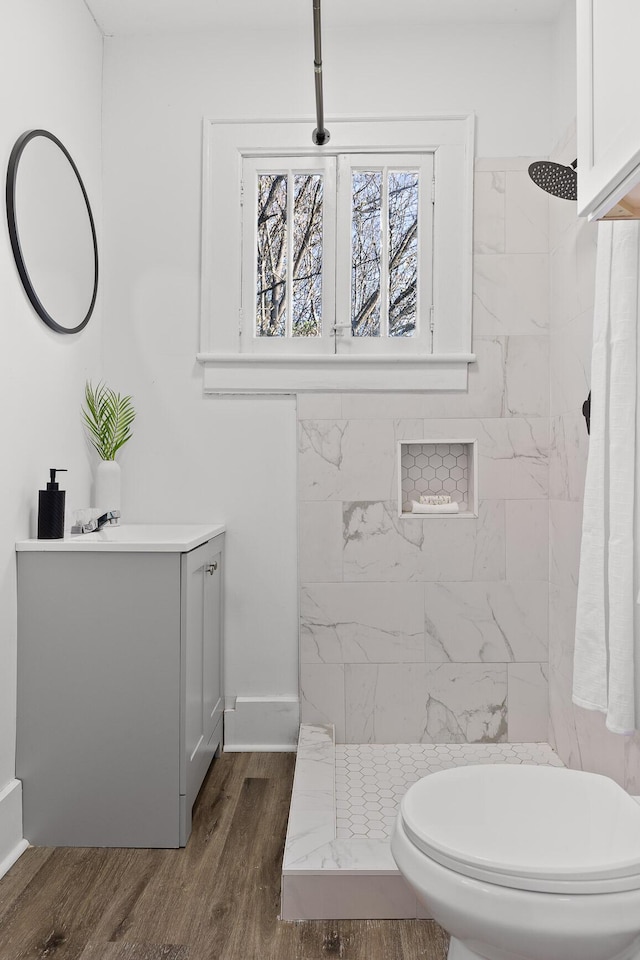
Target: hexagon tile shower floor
pixel 371 779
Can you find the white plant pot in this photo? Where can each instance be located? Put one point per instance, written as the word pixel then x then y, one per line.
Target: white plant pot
pixel 107 486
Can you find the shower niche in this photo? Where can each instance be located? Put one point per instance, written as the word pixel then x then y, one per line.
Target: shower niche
pixel 438 468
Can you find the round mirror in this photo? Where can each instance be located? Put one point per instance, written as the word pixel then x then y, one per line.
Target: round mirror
pixel 52 231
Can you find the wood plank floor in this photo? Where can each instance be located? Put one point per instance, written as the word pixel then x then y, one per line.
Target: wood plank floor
pixel 218 899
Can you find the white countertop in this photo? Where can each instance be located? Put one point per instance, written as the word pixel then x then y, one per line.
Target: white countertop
pixel 132 538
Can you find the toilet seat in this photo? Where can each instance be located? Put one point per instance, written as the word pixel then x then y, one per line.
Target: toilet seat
pixel 545 829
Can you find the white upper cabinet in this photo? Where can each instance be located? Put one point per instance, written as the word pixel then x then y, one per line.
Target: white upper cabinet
pixel 608 118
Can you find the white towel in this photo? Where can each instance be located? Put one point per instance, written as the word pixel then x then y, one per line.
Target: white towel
pixel 604 669
pixel 434 507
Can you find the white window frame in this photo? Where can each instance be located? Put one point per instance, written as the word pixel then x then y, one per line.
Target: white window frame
pixel 228 368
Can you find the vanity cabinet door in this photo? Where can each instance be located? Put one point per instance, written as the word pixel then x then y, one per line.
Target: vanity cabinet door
pixel 201 665
pixel 212 701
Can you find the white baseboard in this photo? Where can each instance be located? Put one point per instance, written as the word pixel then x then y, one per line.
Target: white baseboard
pixel 268 724
pixel 12 843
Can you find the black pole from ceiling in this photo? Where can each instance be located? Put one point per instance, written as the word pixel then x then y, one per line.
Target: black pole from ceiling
pixel 320 135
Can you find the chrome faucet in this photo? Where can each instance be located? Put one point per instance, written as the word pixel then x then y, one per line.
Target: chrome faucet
pixel 111 517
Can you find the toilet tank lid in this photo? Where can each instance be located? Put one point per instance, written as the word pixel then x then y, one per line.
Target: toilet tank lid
pixel 526 821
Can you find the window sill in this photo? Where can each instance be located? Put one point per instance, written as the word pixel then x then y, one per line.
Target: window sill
pixel 237 373
pixel 463 515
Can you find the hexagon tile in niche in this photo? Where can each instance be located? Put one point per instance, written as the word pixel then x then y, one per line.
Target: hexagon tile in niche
pixel 437 468
pixel 371 779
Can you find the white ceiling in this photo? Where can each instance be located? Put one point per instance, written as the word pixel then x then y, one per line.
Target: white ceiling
pixel 120 17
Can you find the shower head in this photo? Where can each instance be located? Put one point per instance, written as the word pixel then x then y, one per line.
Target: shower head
pixel 555 178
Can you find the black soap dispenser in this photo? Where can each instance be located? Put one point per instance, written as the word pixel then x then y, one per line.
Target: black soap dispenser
pixel 51 509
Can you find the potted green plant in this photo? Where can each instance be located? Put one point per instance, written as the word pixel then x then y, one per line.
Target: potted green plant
pixel 107 418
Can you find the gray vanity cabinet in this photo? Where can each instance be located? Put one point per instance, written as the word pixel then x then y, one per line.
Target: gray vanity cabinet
pixel 120 695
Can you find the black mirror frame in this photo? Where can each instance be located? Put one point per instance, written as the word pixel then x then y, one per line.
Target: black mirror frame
pixel 12 171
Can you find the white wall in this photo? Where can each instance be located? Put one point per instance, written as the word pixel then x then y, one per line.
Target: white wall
pixel 564 76
pixel 233 459
pixel 50 75
pixel 499 71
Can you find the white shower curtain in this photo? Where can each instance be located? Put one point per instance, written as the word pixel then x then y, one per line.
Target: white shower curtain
pixel 607 644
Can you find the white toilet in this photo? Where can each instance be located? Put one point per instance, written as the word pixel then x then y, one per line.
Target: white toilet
pixel 524 862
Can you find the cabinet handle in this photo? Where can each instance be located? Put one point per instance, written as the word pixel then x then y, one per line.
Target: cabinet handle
pixel 212 567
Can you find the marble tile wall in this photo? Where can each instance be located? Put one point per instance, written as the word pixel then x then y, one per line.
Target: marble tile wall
pixel 579 736
pixel 436 630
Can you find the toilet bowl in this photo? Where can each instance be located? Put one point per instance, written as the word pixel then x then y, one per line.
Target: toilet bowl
pixel 524 862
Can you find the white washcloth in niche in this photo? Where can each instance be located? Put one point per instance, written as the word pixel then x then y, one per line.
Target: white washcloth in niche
pixel 434 507
pixel 606 615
